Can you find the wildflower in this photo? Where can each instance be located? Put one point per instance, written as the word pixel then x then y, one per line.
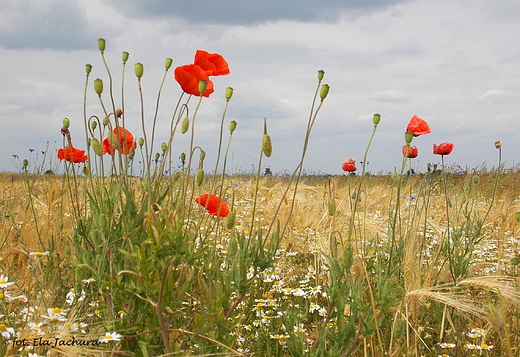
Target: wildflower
pixel 6 332
pixel 486 347
pixel 410 152
pixel 349 165
pixel 4 282
pixel 214 205
pixel 36 328
pixel 212 63
pixel 282 339
pixel 314 307
pixel 55 314
pixel 89 281
pixel 418 126
pixel 470 346
pixel 447 345
pixel 113 336
pixel 71 154
pixel 443 149
pixel 189 76
pixel 39 254
pixel 120 139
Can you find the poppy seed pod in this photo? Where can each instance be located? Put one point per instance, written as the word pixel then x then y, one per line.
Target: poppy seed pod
pixel 230 221
pixel 321 74
pixel 185 125
pixel 199 178
pixel 98 86
pixel 168 63
pixel 139 70
pixel 119 113
pixel 203 84
pixel 232 126
pixel 267 146
pixel 124 56
pixel 66 123
pixel 88 68
pixel 164 146
pixel 498 145
pixel 376 119
pixel 408 137
pixel 101 44
pixel 324 91
pixel 141 142
pixel 229 93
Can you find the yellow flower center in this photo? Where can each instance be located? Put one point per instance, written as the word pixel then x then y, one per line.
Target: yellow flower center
pixel 3 328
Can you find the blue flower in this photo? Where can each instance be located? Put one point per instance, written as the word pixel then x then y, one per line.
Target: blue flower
pixel 31 150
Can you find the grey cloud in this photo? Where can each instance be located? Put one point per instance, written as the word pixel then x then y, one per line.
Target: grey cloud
pixel 237 12
pixel 390 96
pixel 59 25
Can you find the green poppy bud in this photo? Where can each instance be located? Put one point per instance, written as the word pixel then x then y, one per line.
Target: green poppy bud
pixel 132 154
pixel 98 86
pixel 199 178
pixel 376 119
pixel 408 136
pixel 164 146
pixel 202 155
pixel 517 216
pixel 185 125
pixel 203 84
pixel 230 221
pixel 331 206
pixel 229 93
pixel 183 158
pixel 106 121
pixel 139 70
pixel 66 123
pixel 168 63
pixel 324 91
pixel 113 140
pixel 93 125
pixel 232 126
pixel 25 163
pixel 321 74
pixel 515 261
pixel 267 146
pixel 125 56
pixel 96 146
pixel 141 142
pixel 86 170
pixel 157 156
pixel 476 179
pixel 88 68
pixel 101 44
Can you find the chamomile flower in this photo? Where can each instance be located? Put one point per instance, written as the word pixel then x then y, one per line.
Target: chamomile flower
pixel 39 254
pixel 6 332
pixel 110 336
pixel 4 282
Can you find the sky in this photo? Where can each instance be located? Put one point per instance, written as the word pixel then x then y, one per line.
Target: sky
pixel 454 63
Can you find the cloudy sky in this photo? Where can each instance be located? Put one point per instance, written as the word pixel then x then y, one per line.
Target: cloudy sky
pixel 454 63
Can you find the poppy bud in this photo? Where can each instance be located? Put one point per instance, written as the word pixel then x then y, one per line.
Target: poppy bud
pixel 230 221
pixel 321 74
pixel 203 84
pixel 86 171
pixel 476 180
pixel 515 261
pixel 101 44
pixel 119 113
pixel 517 216
pixel 132 154
pixel 185 125
pixel 202 155
pixel 139 70
pixel 267 146
pixel 408 136
pixel 232 126
pixel 183 158
pixel 229 93
pixel 96 145
pixel 164 146
pixel 141 142
pixel 331 206
pixel 168 63
pixel 113 140
pixel 199 178
pixel 88 68
pixel 106 121
pixel 93 125
pixel 98 86
pixel 498 145
pixel 125 56
pixel 376 119
pixel 25 163
pixel 157 156
pixel 324 91
pixel 66 123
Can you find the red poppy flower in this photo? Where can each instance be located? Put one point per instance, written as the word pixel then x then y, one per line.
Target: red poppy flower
pixel 412 152
pixel 349 165
pixel 189 76
pixel 212 63
pixel 125 142
pixel 71 154
pixel 212 203
pixel 443 149
pixel 418 126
